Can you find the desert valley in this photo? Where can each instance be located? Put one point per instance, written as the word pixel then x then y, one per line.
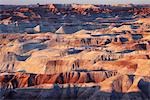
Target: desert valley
pixel 75 52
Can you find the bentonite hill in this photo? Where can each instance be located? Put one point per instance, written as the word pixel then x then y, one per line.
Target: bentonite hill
pixel 75 52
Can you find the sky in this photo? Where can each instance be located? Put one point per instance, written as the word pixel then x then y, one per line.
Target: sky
pixel 25 2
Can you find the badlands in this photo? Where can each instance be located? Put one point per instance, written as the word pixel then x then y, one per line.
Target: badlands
pixel 75 52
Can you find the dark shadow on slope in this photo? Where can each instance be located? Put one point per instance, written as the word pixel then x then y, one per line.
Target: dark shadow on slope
pixel 99 35
pixel 30 46
pixel 22 58
pixel 58 92
pixel 70 93
pixel 144 86
pixel 125 51
pixel 73 51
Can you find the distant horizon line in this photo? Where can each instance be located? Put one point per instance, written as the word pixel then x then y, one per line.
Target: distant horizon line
pixel 79 4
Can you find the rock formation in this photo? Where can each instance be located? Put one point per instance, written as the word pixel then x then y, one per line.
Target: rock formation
pixel 77 52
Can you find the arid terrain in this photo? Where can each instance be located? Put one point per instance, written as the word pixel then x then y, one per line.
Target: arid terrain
pixel 75 52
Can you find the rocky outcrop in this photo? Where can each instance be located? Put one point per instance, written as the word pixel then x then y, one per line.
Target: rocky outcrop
pixel 110 86
pixel 21 80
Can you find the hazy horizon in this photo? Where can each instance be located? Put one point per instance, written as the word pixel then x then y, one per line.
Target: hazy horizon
pixel 28 2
